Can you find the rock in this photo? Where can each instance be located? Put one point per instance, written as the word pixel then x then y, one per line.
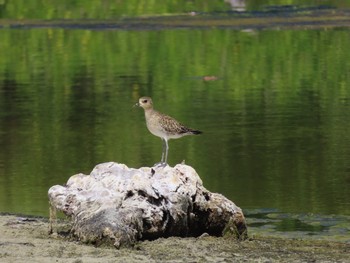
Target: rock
pixel 120 205
pixel 210 78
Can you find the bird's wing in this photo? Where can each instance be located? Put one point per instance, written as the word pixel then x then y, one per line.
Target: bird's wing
pixel 171 125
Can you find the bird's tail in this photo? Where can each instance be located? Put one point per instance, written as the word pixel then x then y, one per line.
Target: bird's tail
pixel 196 132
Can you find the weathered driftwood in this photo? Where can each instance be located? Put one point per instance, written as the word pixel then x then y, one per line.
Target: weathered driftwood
pixel 120 205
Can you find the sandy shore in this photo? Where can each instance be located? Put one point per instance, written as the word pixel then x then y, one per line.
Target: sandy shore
pixel 26 239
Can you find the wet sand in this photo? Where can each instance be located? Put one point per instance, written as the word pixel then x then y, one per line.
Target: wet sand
pixel 26 239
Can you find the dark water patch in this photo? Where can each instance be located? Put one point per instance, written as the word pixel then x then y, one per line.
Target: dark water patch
pixel 293 224
pixel 292 9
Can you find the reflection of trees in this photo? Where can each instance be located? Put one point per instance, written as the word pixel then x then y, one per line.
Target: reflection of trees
pixel 66 104
pixel 11 118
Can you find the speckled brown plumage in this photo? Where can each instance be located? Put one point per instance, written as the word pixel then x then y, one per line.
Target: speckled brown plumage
pixel 163 126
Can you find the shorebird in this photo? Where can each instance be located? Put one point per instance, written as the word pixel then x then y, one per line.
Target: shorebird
pixel 163 126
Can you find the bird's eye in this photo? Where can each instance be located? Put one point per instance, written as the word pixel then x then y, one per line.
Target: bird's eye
pixel 144 101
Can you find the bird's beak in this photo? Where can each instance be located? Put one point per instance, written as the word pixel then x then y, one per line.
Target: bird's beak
pixel 136 105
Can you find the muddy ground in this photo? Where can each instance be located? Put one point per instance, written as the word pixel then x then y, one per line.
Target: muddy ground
pixel 26 239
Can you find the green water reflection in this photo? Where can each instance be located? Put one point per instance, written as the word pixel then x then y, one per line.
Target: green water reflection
pixel 276 122
pixel 301 226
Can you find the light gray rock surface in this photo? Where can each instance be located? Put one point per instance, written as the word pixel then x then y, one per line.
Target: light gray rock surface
pixel 120 205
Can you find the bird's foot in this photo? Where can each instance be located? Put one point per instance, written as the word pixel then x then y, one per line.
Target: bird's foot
pixel 160 165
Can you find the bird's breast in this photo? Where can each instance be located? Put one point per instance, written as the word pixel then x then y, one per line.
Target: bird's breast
pixel 155 130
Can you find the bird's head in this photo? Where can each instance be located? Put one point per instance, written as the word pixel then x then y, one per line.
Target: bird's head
pixel 145 102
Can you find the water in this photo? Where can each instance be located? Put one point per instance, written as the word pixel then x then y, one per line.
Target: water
pixel 275 122
pixel 269 222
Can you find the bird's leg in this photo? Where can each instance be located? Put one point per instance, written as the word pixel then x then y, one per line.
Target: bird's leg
pixel 163 151
pixel 166 151
pixel 163 160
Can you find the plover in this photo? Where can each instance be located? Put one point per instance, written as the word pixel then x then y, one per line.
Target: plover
pixel 163 126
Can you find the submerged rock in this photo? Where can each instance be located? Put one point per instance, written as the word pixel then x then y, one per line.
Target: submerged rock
pixel 120 205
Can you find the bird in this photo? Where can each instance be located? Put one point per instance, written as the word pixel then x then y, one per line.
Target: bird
pixel 163 126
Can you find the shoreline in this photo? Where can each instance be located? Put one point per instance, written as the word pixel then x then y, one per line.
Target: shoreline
pixel 295 20
pixel 26 239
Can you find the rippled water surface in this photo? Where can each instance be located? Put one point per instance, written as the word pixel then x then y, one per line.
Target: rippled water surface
pixel 275 117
